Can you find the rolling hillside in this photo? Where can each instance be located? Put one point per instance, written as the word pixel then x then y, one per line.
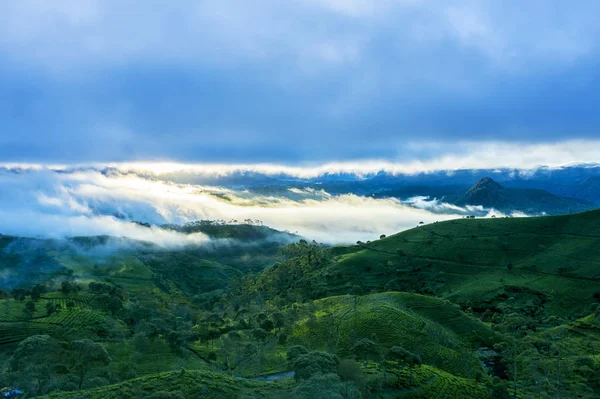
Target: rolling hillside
pixel 468 308
pixel 469 261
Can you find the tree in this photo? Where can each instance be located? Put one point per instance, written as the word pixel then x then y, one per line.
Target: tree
pixel 320 386
pixel 112 303
pixel 37 291
pixel 32 363
pixel 282 338
pixel 278 320
pixel 29 309
pixel 313 363
pixel 295 351
pixel 351 374
pixel 140 342
pixel 366 349
pixel 381 237
pixel 87 355
pixel 66 287
pixel 267 325
pixel 19 294
pixel 401 355
pixel 259 334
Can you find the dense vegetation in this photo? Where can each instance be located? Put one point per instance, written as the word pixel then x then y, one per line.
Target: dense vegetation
pixel 470 308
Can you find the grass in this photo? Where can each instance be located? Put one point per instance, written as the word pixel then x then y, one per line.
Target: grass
pixel 427 382
pixel 157 357
pixel 464 260
pixel 436 329
pixel 190 384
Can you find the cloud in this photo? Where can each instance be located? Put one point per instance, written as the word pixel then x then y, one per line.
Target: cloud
pixel 44 203
pixel 68 34
pixel 426 157
pixel 273 81
pixel 439 207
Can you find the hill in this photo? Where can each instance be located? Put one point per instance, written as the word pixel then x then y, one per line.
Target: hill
pixel 489 194
pixel 182 384
pixel 469 261
pixel 468 308
pixel 437 329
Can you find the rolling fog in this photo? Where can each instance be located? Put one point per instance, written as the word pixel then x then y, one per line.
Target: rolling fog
pixel 41 202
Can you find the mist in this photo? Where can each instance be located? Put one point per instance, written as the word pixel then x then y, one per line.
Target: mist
pixel 45 203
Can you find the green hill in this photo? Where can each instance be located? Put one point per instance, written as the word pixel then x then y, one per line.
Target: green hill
pixel 182 384
pixel 434 328
pixel 553 262
pixel 468 308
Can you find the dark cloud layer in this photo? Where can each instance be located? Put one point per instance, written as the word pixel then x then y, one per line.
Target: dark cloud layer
pixel 309 80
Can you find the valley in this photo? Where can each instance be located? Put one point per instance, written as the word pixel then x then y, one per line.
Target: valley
pixel 468 308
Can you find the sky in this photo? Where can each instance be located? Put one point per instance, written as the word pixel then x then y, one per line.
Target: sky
pixel 298 82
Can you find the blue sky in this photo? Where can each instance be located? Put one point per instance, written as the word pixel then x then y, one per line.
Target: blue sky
pixel 292 82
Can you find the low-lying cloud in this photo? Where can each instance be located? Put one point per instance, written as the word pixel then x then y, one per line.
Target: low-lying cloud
pixel 38 202
pixel 417 157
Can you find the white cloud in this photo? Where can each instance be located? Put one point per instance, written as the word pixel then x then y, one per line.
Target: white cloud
pixel 41 203
pixel 66 200
pixel 51 204
pixel 526 157
pixel 65 35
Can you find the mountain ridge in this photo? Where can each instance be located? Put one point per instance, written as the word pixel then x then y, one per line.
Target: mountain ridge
pixel 488 193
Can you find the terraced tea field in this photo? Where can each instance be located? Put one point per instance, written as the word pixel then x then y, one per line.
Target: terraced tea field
pixel 407 320
pixel 77 311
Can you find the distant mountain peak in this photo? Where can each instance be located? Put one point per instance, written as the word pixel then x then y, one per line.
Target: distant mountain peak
pixel 484 192
pixel 486 183
pixel 490 194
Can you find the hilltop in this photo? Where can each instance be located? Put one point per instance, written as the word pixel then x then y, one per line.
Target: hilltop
pixel 490 194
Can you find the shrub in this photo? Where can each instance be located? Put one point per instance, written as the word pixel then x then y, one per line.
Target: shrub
pixel 320 386
pixel 350 371
pixel 314 363
pixel 294 351
pixel 365 349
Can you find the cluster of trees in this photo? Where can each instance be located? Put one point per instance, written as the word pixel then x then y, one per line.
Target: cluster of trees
pixel 325 375
pixel 20 294
pixel 292 276
pixel 41 364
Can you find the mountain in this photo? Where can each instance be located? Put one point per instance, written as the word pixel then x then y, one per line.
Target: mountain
pixel 490 194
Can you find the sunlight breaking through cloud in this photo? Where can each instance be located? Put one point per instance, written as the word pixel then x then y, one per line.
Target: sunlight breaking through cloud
pixel 39 202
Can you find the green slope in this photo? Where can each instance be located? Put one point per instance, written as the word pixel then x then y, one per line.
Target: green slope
pixel 182 384
pixel 469 261
pixel 436 329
